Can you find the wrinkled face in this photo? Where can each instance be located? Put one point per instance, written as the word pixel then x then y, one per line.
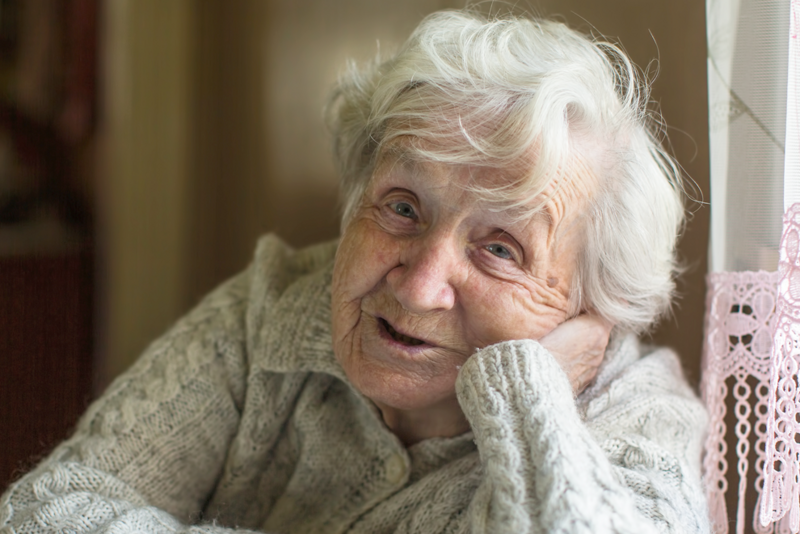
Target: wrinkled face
pixel 426 273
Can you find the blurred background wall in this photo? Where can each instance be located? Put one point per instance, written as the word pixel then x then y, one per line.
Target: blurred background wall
pixel 209 133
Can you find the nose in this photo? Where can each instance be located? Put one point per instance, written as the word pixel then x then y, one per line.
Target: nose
pixel 425 279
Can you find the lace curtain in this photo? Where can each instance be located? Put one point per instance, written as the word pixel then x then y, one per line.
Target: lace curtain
pixel 752 343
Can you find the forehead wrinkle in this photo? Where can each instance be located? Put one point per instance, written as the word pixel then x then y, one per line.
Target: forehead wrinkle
pixel 553 224
pixel 567 211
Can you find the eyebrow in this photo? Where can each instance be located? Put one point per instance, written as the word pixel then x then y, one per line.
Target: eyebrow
pixel 395 154
pixel 398 153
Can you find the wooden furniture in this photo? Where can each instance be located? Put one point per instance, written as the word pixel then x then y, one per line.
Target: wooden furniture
pixel 45 352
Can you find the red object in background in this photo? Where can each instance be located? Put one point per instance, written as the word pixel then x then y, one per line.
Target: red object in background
pixel 45 354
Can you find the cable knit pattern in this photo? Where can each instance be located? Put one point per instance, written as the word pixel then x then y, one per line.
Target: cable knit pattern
pixel 241 418
pixel 546 468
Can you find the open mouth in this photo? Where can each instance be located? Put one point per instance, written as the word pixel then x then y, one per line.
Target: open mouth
pixel 397 336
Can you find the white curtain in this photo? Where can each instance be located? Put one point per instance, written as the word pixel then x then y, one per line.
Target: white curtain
pixel 752 338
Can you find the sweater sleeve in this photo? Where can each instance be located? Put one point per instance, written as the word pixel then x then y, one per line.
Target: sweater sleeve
pixel 630 469
pixel 147 454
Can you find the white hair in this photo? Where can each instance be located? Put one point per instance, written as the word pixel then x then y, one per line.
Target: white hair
pixel 492 93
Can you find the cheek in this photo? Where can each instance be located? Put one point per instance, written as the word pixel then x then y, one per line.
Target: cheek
pixel 362 261
pixel 503 312
pixel 364 257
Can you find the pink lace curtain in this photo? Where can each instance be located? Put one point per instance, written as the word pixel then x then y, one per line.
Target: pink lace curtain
pixel 752 346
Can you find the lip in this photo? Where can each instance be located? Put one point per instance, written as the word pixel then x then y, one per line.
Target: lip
pixel 384 334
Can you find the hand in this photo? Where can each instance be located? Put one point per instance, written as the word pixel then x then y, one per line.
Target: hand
pixel 579 346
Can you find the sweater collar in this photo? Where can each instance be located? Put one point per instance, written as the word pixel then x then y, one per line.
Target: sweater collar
pixel 296 336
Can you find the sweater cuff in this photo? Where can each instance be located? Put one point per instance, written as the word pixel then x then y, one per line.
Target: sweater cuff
pixel 511 376
pixel 535 447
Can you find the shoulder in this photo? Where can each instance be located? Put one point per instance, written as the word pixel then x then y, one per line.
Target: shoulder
pixel 641 391
pixel 632 368
pixel 221 327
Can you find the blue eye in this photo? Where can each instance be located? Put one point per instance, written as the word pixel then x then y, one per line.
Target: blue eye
pixel 500 251
pixel 404 209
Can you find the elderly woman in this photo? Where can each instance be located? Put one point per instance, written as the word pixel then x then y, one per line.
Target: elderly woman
pixel 447 366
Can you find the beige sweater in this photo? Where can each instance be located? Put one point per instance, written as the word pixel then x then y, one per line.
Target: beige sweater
pixel 240 417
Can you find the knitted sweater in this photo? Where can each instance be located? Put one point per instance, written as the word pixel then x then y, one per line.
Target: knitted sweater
pixel 241 418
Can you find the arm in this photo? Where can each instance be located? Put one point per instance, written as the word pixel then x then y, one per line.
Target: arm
pixel 147 454
pixel 546 468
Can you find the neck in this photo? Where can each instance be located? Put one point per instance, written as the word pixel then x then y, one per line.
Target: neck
pixel 442 420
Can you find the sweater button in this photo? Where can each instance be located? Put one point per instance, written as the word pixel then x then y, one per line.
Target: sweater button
pixel 395 469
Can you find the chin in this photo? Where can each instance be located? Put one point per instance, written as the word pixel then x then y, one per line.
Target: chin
pixel 388 387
